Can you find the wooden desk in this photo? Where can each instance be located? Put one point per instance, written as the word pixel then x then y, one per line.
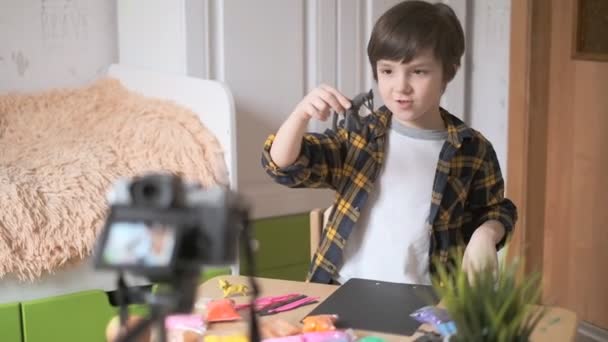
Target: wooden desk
pixel 558 325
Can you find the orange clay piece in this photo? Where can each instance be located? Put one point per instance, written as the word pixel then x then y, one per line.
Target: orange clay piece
pixel 221 310
pixel 278 328
pixel 319 323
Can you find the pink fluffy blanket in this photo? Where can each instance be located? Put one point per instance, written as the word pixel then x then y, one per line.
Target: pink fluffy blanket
pixel 60 152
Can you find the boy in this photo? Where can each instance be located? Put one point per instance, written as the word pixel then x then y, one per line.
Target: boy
pixel 414 181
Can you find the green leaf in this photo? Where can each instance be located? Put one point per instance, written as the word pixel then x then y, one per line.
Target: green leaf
pixel 490 307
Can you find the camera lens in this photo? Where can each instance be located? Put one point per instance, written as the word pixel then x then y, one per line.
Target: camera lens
pixel 158 191
pixel 149 191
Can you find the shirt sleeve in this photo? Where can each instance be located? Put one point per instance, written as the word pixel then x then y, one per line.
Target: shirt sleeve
pixel 319 164
pixel 487 198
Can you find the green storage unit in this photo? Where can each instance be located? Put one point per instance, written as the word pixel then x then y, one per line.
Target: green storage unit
pixel 290 272
pixel 284 247
pixel 214 272
pixel 10 322
pixel 283 254
pixel 80 316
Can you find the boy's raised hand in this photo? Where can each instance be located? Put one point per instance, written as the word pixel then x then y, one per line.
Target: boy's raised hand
pixel 318 103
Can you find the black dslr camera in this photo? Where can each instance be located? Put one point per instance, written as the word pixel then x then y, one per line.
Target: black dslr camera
pixel 160 227
pixel 166 230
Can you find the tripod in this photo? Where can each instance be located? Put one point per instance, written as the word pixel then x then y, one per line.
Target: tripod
pixel 178 298
pixel 181 299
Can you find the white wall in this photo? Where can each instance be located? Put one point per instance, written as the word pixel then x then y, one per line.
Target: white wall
pixel 270 52
pixel 489 72
pixel 54 43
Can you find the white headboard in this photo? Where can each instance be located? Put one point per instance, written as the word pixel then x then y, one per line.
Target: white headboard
pixel 211 100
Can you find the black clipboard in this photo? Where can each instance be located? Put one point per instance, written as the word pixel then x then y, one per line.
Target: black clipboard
pixel 378 306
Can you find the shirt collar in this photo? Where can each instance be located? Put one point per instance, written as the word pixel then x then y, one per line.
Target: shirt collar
pixel 458 131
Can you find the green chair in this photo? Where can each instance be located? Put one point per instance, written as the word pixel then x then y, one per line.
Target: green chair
pixel 10 322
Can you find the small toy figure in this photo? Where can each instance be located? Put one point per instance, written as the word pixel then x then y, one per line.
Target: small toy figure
pixel 230 289
pixel 352 117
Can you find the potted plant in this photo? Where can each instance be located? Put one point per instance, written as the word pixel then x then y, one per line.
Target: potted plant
pixel 490 305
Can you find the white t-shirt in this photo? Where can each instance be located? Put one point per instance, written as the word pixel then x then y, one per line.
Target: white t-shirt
pixel 391 240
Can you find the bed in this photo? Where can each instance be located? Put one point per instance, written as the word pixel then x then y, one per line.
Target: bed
pixel 200 96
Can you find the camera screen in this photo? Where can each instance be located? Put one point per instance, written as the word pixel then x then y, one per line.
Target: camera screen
pixel 139 244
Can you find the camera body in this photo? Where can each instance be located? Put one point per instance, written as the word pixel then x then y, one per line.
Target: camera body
pixel 162 228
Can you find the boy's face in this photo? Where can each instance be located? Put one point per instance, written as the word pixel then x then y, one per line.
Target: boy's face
pixel 412 91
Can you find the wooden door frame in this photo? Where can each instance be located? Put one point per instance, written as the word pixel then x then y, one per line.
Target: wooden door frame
pixel 527 134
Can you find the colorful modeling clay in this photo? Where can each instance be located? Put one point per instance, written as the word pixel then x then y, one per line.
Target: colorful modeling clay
pixel 226 338
pixel 230 289
pixel 431 315
pixel 371 339
pixel 221 310
pixel 447 328
pixel 275 304
pixel 192 322
pixel 325 336
pixel 319 323
pixel 184 328
pixel 286 305
pixel 262 302
pixel 437 317
pixel 278 328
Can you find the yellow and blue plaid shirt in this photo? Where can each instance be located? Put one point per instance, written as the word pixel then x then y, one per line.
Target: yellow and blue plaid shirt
pixel 468 189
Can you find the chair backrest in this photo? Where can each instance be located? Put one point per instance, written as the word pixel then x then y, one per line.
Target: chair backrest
pixel 318 219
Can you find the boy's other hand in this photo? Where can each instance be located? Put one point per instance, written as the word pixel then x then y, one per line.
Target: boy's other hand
pixel 319 102
pixel 480 254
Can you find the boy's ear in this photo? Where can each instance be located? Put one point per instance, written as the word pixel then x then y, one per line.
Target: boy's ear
pixel 456 67
pixel 445 83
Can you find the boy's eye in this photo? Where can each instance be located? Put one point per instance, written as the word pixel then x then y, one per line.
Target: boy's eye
pixel 420 72
pixel 385 71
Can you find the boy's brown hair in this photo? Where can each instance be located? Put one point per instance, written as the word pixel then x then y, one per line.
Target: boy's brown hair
pixel 411 26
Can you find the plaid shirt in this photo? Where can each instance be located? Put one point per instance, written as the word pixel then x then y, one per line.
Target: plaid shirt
pixel 467 190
